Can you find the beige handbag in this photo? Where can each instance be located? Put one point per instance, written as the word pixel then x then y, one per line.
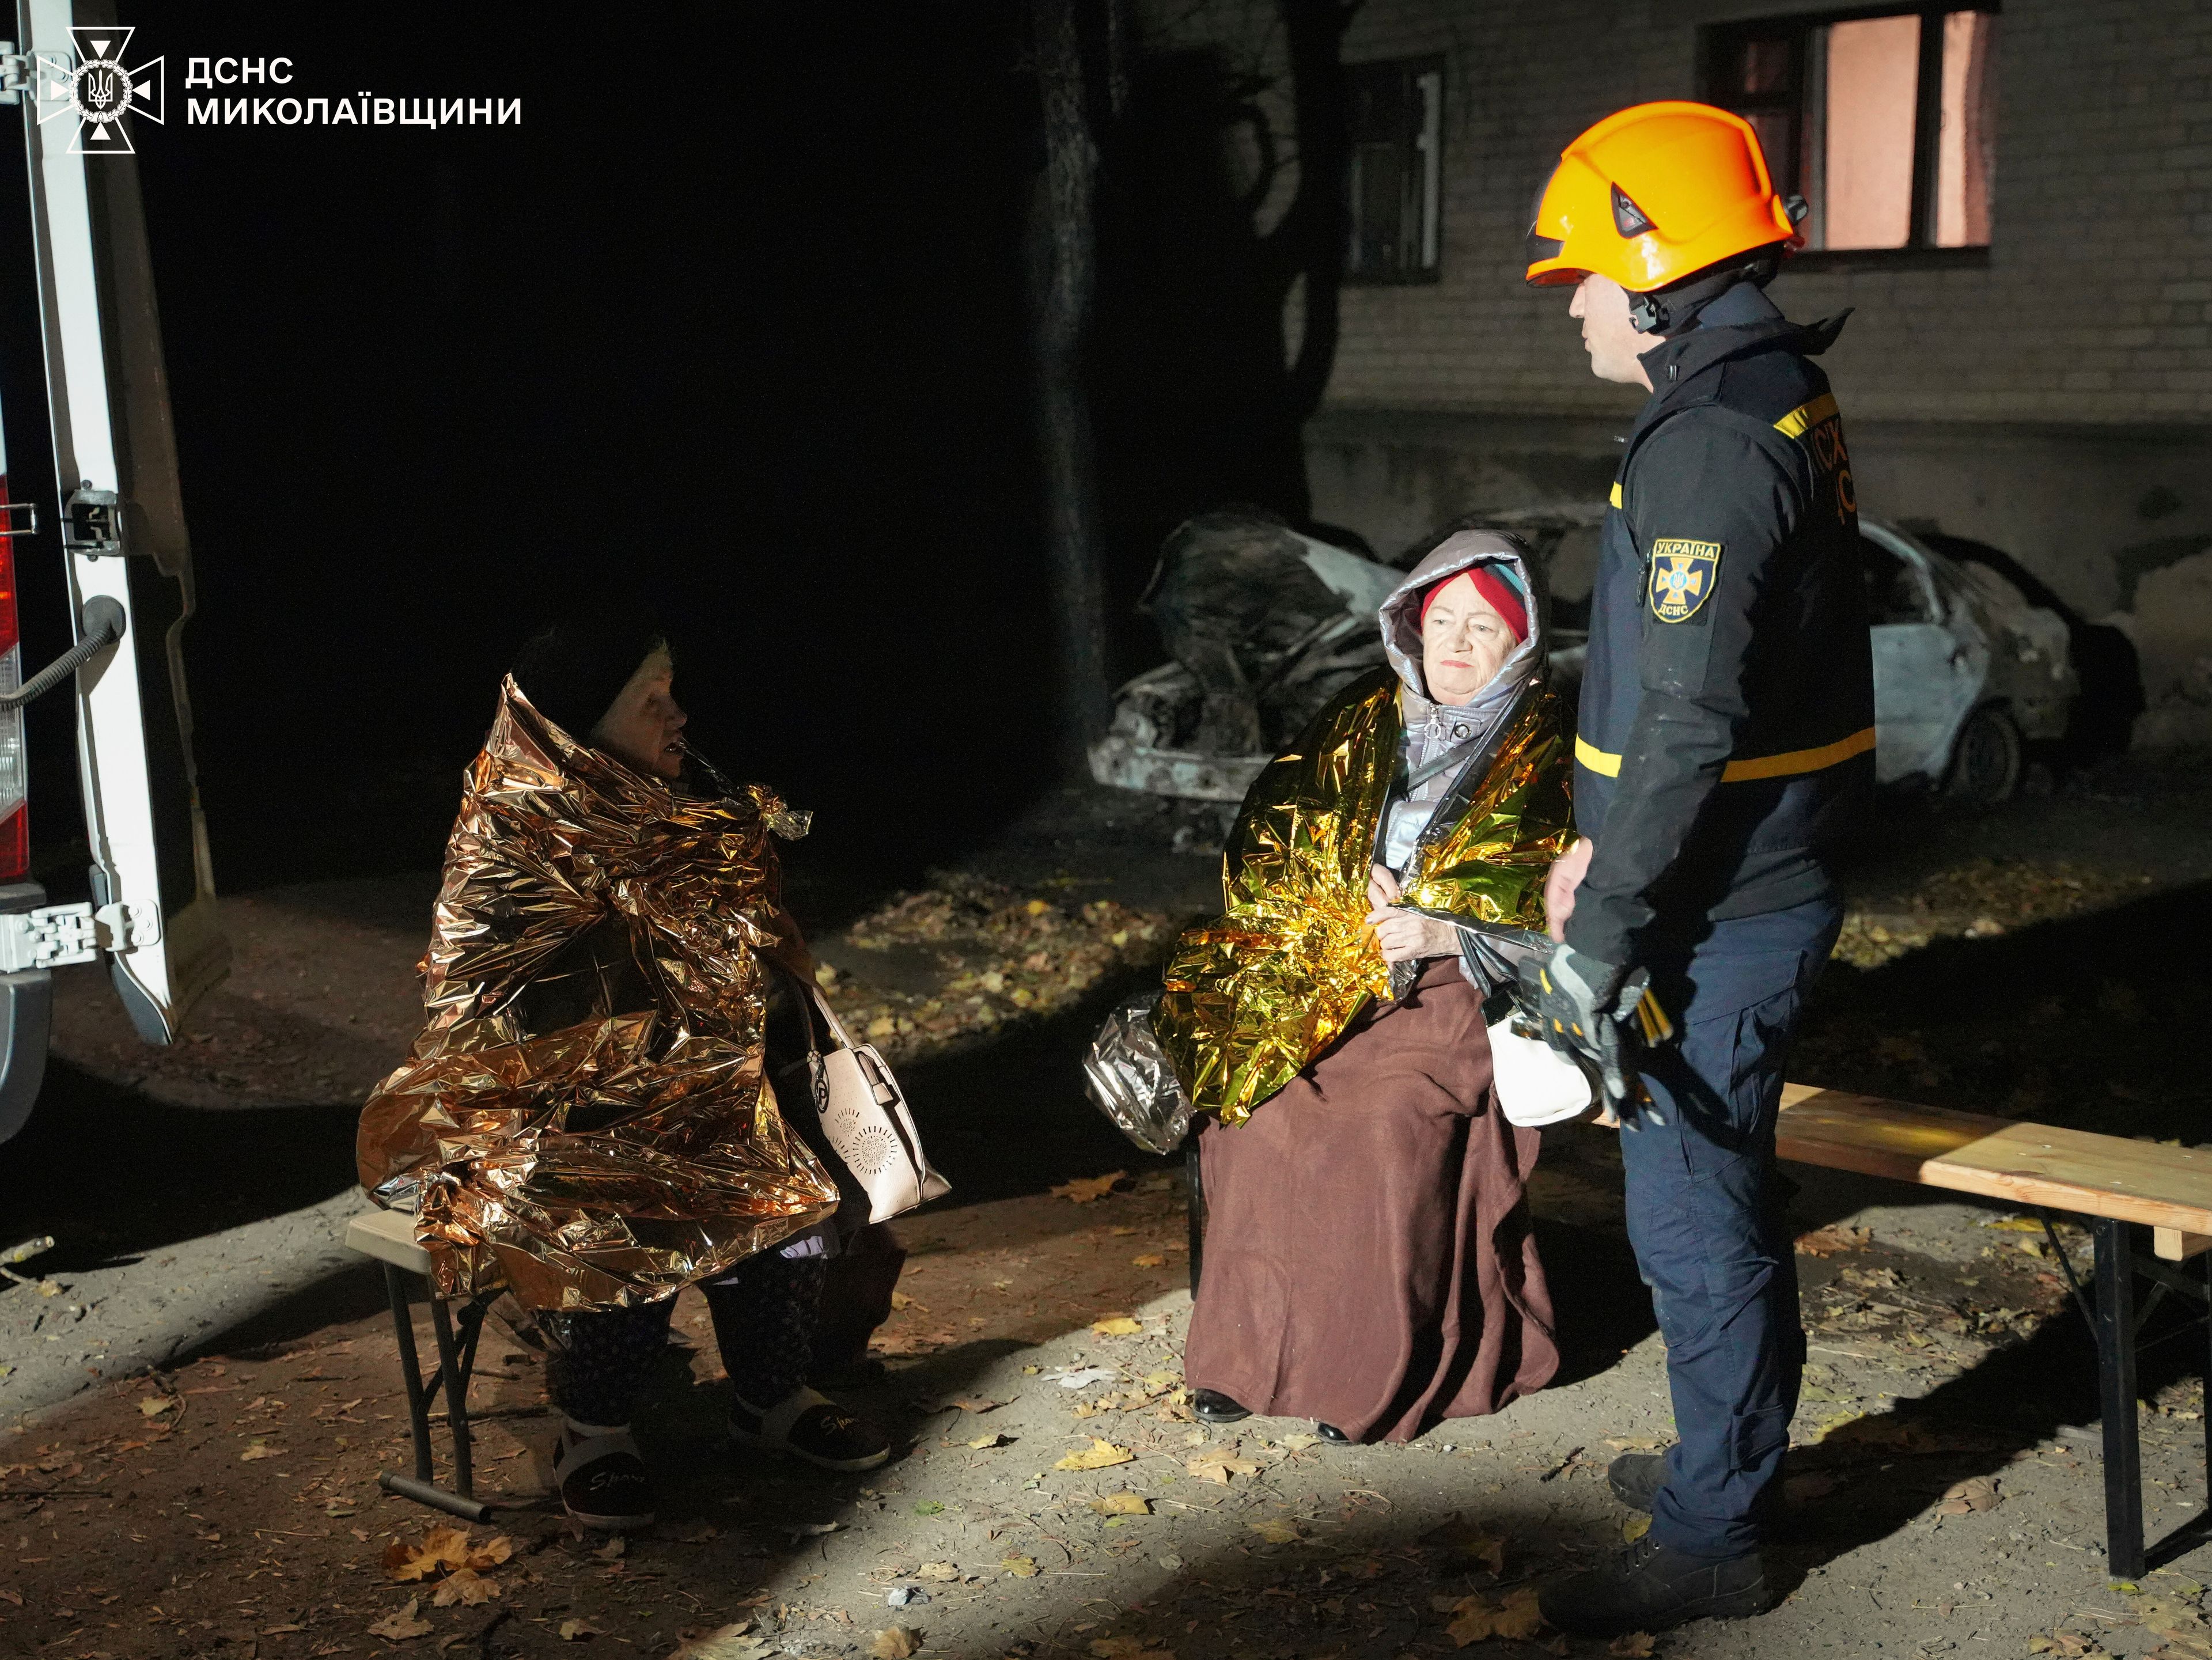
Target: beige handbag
pixel 865 1119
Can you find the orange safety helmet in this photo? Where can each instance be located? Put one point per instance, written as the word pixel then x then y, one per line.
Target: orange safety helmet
pixel 1657 193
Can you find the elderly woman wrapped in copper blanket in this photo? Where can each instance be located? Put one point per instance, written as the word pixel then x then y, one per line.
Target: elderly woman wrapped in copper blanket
pixel 1368 1258
pixel 589 1118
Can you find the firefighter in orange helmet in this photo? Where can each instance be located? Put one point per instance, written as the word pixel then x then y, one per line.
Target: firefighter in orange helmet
pixel 1726 734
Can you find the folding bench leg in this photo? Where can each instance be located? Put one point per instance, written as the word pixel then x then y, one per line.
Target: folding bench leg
pixel 455 1362
pixel 454 1367
pixel 2116 1382
pixel 410 1372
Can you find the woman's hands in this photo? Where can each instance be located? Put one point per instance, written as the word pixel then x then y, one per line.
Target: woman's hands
pixel 1404 936
pixel 1566 875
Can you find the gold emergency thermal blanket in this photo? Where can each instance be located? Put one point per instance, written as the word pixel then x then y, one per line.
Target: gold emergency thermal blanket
pixel 632 1144
pixel 1263 989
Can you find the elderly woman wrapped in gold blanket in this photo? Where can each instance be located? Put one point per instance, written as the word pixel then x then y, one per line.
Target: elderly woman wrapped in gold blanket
pixel 1369 1262
pixel 591 1116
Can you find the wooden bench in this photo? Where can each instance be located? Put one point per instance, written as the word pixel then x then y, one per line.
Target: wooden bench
pixel 389 1238
pixel 2122 1185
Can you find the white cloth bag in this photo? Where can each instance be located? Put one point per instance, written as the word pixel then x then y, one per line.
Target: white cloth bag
pixel 1534 1083
pixel 864 1118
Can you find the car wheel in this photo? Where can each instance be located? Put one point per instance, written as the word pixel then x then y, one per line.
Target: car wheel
pixel 1985 760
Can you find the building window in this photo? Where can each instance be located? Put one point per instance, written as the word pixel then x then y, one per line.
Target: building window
pixel 1395 183
pixel 1884 123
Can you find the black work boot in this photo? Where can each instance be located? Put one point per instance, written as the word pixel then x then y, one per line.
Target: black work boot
pixel 1636 1478
pixel 1647 1587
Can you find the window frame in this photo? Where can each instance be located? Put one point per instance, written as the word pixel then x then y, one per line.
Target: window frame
pixel 1716 42
pixel 1410 70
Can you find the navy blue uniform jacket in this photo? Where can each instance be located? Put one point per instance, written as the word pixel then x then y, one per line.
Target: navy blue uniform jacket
pixel 1726 732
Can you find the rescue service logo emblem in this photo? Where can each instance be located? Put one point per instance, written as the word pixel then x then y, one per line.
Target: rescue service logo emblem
pixel 94 83
pixel 1682 575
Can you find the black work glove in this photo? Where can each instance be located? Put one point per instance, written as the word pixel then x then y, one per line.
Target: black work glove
pixel 1582 1008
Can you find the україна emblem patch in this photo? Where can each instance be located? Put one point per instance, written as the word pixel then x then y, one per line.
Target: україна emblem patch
pixel 1682 574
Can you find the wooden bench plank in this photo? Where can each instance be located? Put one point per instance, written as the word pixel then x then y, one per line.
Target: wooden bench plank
pixel 2022 1163
pixel 2175 1246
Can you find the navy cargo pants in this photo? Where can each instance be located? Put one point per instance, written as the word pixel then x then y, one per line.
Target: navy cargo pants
pixel 1706 1215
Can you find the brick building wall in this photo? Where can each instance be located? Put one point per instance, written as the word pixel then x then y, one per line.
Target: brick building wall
pixel 2056 401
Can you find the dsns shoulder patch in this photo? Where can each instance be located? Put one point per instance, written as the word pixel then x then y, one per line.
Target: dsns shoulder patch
pixel 1683 576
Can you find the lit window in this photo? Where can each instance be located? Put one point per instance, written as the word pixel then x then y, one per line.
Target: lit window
pixel 1886 124
pixel 1394 187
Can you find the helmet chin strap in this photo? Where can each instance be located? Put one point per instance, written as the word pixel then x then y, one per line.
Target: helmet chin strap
pixel 1674 310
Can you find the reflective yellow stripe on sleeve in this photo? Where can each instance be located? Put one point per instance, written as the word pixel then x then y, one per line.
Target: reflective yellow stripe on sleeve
pixel 1615 497
pixel 1805 416
pixel 1789 765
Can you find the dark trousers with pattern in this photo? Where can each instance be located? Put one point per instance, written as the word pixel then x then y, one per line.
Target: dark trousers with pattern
pixel 764 1311
pixel 1706 1211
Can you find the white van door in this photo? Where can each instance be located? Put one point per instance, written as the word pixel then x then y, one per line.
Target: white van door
pixel 125 547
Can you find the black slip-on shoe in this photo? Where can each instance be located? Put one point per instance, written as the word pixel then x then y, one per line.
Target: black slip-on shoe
pixel 1647 1587
pixel 1330 1433
pixel 1636 1478
pixel 1211 1406
pixel 810 1425
pixel 603 1483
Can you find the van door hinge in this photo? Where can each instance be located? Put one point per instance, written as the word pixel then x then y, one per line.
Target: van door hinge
pixel 50 938
pixel 126 927
pixel 91 522
pixel 19 71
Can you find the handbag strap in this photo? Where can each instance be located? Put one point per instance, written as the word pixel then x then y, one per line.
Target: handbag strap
pixel 842 1038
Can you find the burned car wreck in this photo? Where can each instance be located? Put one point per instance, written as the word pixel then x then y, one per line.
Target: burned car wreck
pixel 1978 669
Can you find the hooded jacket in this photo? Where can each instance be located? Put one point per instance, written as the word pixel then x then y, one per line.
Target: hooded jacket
pixel 1256 996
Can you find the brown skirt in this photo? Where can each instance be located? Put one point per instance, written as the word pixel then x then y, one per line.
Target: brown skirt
pixel 1369 1259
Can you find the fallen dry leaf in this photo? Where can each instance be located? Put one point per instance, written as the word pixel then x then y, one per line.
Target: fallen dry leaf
pixel 401 1624
pixel 1635 1645
pixel 443 1550
pixel 1117 1325
pixel 1635 1527
pixel 1127 1648
pixel 1468 1539
pixel 1098 1456
pixel 2066 1645
pixel 153 1405
pixel 938 1573
pixel 1122 1504
pixel 897 1643
pixel 2169 1616
pixel 1828 1241
pixel 1479 1619
pixel 1963 1498
pixel 1149 1260
pixel 730 1642
pixel 258 1450
pixel 1086 1189
pixel 1021 1567
pixel 985 1442
pixel 575 1631
pixel 467 1587
pixel 1216 1466
pixel 980 1405
pixel 1278 1531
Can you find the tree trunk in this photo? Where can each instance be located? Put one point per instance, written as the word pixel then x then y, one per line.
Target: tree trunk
pixel 1064 267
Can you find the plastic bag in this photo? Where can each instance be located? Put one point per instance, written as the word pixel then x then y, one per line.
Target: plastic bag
pixel 1130 1078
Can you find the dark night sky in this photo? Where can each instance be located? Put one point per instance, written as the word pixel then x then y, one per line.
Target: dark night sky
pixel 736 313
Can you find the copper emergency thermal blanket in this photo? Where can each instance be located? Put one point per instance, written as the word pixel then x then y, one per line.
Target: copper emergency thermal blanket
pixel 635 1146
pixel 1254 995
